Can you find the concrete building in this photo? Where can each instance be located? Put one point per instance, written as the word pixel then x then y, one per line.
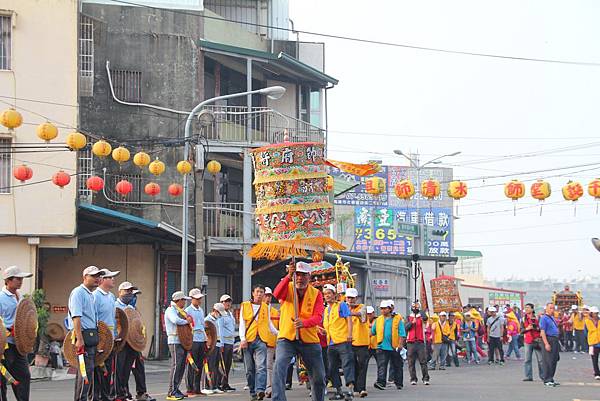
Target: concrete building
pixel 469 266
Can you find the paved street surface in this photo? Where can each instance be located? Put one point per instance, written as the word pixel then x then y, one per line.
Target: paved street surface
pixel 465 383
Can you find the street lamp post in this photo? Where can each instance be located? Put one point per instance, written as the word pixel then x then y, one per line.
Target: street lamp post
pixel 272 92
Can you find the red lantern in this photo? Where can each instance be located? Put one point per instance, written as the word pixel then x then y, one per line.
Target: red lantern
pixel 23 173
pixel 61 179
pixel 152 189
pixel 175 189
pixel 123 187
pixel 94 183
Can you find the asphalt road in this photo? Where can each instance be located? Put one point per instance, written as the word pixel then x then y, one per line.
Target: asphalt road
pixel 469 382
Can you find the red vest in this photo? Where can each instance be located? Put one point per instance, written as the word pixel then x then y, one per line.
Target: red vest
pixel 415 334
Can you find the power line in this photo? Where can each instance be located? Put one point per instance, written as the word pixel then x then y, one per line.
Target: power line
pixel 367 41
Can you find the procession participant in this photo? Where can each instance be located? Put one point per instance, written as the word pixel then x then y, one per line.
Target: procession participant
pixel 255 328
pixel 360 341
pixel 139 370
pixel 468 329
pixel 301 312
pixel 578 321
pixel 14 362
pixel 567 328
pixel 592 329
pixel 337 323
pixel 173 318
pixel 126 357
pixel 227 326
pixel 551 347
pixel 495 331
pixel 453 329
pixel 531 338
pixel 104 301
pixel 83 320
pixel 194 310
pixel 438 357
pixel 213 376
pixel 372 339
pixel 415 343
pixel 389 331
pixel 271 340
pixel 513 331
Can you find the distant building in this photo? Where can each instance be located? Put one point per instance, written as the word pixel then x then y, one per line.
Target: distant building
pixel 469 266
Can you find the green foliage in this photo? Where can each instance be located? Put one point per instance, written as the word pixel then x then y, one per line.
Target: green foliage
pixel 43 311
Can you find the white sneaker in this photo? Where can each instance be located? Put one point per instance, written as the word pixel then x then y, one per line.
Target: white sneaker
pixel 218 391
pixel 246 388
pixel 597 377
pixel 207 391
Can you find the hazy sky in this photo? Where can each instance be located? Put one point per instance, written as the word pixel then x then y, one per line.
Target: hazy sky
pixel 437 103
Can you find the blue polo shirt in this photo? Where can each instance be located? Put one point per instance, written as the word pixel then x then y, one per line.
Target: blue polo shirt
pixel 119 304
pixel 215 321
pixel 82 305
pixel 172 320
pixel 386 344
pixel 105 308
pixel 227 328
pixel 198 315
pixel 8 310
pixel 548 324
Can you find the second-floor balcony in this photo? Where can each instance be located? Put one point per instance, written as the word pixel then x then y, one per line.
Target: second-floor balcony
pixel 224 226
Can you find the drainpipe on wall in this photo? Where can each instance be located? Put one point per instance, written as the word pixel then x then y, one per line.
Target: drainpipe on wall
pixel 157 322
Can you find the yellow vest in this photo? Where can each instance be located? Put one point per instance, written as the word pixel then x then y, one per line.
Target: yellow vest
pixel 336 326
pixel 380 326
pixel 272 338
pixel 437 332
pixel 360 330
pixel 372 338
pixel 451 330
pixel 578 324
pixel 261 326
pixel 286 316
pixel 593 332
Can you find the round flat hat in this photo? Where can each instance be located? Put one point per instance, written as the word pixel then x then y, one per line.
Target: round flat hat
pixel 105 343
pixel 26 326
pixel 211 335
pixel 136 333
pixel 122 328
pixel 69 350
pixel 55 332
pixel 186 336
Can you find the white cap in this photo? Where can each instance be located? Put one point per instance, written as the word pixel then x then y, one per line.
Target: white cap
pixel 14 271
pixel 177 295
pixel 492 309
pixel 268 291
pixel 126 285
pixel 594 309
pixel 585 307
pixel 352 292
pixel 225 297
pixel 219 307
pixel 573 307
pixel 442 313
pixel 136 291
pixel 370 309
pixel 196 293
pixel 468 314
pixel 329 287
pixel 108 274
pixel 391 302
pixel 385 304
pixel 303 267
pixel 91 271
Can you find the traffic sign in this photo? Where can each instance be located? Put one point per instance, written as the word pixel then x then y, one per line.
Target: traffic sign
pixel 409 229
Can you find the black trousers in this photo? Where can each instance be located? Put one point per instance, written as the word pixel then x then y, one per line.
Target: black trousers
pixel 125 360
pixel 361 364
pixel 595 361
pixel 384 358
pixel 550 358
pixel 214 358
pixel 227 355
pixel 85 391
pixel 104 380
pixel 194 378
pixel 495 343
pixel 139 374
pixel 177 367
pixel 340 355
pixel 18 367
pixel 417 351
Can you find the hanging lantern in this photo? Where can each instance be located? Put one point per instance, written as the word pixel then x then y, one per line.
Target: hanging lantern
pixel 61 179
pixel 375 185
pixel 11 118
pixel 101 148
pixel 175 189
pixel 514 190
pixel 213 167
pixel 540 190
pixel 121 154
pixel 123 187
pixel 457 190
pixel 572 192
pixel 47 131
pixel 76 141
pixel 152 189
pixel 594 191
pixel 94 183
pixel 404 189
pixel 23 173
pixel 184 167
pixel 329 184
pixel 157 167
pixel 430 189
pixel 141 159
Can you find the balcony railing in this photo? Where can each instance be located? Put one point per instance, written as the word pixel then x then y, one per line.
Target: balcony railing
pixel 267 126
pixel 225 220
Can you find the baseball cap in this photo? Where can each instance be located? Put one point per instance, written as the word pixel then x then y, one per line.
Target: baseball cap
pixel 92 271
pixel 126 285
pixel 370 309
pixel 136 291
pixel 585 307
pixel 328 287
pixel 196 293
pixel 443 313
pixel 177 295
pixel 303 267
pixel 14 271
pixel 385 304
pixel 352 292
pixel 492 309
pixel 594 309
pixel 391 302
pixel 219 307
pixel 225 297
pixel 268 291
pixel 573 307
pixel 108 274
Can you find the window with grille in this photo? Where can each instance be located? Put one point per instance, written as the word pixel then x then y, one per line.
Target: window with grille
pixel 84 167
pixel 5 41
pixel 86 56
pixel 5 165
pixel 127 85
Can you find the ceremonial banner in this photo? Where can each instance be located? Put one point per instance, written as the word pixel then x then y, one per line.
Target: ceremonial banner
pixel 444 294
pixel 361 170
pixel 424 302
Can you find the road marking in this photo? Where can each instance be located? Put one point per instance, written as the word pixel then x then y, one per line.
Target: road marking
pixel 581 384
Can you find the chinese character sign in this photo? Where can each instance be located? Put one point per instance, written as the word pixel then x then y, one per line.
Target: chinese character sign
pixel 359 195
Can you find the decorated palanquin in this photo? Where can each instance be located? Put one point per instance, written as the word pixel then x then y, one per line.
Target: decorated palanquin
pixel 293 211
pixel 338 275
pixel 567 298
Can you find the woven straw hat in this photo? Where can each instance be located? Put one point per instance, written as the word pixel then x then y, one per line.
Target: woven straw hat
pixel 122 328
pixel 211 335
pixel 55 332
pixel 186 336
pixel 105 343
pixel 26 326
pixel 69 350
pixel 2 338
pixel 136 334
